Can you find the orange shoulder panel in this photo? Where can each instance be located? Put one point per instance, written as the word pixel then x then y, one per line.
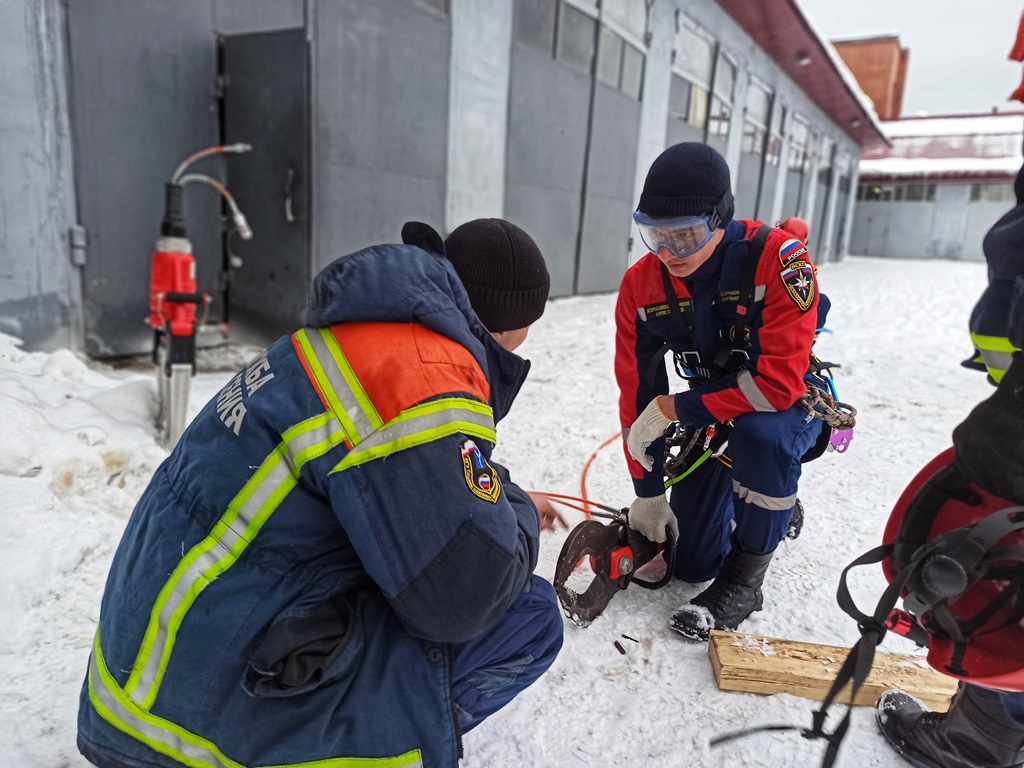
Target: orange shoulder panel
pixel 402 364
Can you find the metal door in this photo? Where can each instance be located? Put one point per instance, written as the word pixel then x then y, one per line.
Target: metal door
pixel 265 85
pixel 141 73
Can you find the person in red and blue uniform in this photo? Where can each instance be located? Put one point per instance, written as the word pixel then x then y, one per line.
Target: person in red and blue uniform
pixel 330 569
pixel 741 334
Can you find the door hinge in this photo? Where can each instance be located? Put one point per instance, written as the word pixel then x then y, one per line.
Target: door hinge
pixel 78 239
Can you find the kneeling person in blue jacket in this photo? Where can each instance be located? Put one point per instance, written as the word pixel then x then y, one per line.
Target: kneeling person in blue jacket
pixel 329 565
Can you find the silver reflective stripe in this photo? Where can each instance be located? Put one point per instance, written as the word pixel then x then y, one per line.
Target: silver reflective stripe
pixel 759 291
pixel 143 726
pixel 213 553
pixel 774 503
pixel 997 361
pixel 170 739
pixel 753 393
pixel 338 383
pixel 212 556
pixel 409 431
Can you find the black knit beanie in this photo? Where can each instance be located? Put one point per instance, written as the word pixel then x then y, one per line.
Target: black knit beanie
pixel 503 272
pixel 688 179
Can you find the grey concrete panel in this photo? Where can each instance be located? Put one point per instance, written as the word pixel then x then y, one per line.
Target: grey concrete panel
pixel 380 121
pixel 609 202
pixel 478 109
pixel 605 246
pixel 748 180
pixel 679 131
pixel 550 217
pixel 547 122
pixel 40 290
pixel 370 207
pixel 949 221
pixel 141 103
pixel 548 111
pixel 980 218
pixel 766 199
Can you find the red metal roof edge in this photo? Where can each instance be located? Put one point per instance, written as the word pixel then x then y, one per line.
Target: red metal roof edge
pixel 760 19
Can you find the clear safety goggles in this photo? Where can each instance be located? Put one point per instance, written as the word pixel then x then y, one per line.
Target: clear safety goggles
pixel 682 235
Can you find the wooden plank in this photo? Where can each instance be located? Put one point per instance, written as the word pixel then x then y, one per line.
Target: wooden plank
pixel 769 665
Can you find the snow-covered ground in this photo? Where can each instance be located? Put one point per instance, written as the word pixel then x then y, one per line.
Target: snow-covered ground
pixel 77 449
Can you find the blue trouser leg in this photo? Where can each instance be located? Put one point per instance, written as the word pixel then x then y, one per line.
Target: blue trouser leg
pixel 493 668
pixel 1012 703
pixel 765 449
pixel 702 502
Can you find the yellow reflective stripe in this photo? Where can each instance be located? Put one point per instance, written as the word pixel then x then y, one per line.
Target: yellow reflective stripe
pixel 163 736
pixel 230 536
pixel 167 738
pixel 338 356
pixel 423 424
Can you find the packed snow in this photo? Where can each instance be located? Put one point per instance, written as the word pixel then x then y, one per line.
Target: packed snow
pixel 78 447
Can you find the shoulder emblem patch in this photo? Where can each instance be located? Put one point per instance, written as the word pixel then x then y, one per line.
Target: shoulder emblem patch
pixel 480 476
pixel 791 249
pixel 798 277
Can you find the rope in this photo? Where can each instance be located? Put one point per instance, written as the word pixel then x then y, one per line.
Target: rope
pixel 834 413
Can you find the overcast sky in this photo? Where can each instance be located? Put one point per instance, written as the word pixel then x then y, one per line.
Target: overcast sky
pixel 958 51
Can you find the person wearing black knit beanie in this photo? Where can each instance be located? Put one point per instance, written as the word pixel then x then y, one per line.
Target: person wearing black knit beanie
pixel 717 292
pixel 373 562
pixel 503 272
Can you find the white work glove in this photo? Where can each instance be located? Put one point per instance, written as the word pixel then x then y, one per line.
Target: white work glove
pixel 650 516
pixel 648 427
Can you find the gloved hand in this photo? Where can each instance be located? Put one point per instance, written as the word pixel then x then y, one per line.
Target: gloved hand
pixel 648 427
pixel 650 516
pixel 989 443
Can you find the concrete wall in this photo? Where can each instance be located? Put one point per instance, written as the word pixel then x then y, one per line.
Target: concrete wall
pixel 949 227
pixel 40 290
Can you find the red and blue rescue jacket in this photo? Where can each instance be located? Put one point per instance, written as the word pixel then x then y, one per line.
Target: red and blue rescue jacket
pixel 288 588
pixel 761 371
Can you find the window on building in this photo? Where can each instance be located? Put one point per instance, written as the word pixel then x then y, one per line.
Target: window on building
pixel 688 102
pixel 693 64
pixel 722 97
pixel 609 57
pixel 992 193
pixel 619 64
pixel 535 24
pixel 826 150
pixel 755 123
pixel 798 154
pixel 632 71
pixel 576 39
pixel 774 152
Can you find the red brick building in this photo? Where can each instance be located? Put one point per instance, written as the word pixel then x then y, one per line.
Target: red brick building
pixel 880 65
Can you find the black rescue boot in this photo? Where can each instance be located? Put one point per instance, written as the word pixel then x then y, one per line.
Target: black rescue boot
pixel 972 734
pixel 730 599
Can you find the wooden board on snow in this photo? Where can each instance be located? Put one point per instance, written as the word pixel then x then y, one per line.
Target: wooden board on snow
pixel 768 665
